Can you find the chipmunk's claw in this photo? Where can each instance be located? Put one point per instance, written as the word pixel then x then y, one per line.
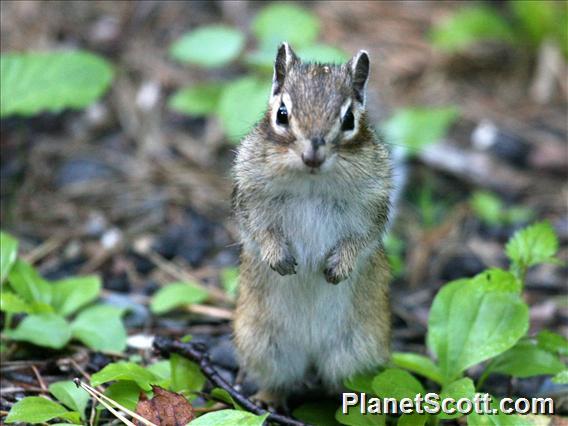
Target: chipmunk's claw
pixel 285 266
pixel 331 276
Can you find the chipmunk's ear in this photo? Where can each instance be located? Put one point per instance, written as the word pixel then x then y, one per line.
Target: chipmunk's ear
pixel 359 65
pixel 284 59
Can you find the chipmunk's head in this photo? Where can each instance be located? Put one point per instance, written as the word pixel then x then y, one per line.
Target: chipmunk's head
pixel 316 110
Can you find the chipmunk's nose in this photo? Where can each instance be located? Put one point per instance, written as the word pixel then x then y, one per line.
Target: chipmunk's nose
pixel 313 156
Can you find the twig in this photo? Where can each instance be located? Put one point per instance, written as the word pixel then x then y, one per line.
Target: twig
pixel 198 354
pixel 39 378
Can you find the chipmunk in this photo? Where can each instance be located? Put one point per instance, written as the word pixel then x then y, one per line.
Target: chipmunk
pixel 311 197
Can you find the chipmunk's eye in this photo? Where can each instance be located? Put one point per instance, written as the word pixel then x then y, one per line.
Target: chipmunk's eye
pixel 348 121
pixel 282 115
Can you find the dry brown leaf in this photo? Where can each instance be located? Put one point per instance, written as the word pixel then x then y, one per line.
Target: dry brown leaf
pixel 165 408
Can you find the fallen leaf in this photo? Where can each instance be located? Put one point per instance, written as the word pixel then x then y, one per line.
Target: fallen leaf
pixel 165 408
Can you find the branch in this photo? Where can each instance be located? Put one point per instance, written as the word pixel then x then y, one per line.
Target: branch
pixel 198 354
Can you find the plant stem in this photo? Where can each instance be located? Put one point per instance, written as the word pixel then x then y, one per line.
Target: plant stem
pixel 485 375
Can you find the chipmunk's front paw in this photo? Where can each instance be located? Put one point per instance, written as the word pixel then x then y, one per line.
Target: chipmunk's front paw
pixel 335 270
pixel 285 265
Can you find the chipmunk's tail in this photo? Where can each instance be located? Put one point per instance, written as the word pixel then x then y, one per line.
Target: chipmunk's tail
pixel 399 178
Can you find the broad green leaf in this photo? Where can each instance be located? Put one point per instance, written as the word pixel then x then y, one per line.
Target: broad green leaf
pixel 414 419
pixel 322 53
pixel 281 22
pixel 499 418
pixel 230 418
pixel 526 359
pixel 163 371
pixel 317 413
pixel 462 388
pixel 49 330
pixel 355 418
pixel 469 26
pixel 125 392
pixel 100 328
pixel 71 294
pixel 487 207
pixel 176 295
pixel 496 279
pixel 537 20
pixel 469 324
pixel 396 383
pixel 51 81
pixel 35 409
pixel 415 128
pixel 534 244
pixel 242 104
pixel 8 254
pixel 210 47
pixel 197 100
pixel 29 285
pixel 186 375
pixel 223 395
pixel 124 371
pixel 418 364
pixel 12 303
pixel 68 393
pixel 552 342
pixel 361 382
pixel 561 378
pixel 230 280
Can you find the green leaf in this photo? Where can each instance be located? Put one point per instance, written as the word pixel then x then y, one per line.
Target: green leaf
pixel 526 359
pixel 35 409
pixel 418 364
pixel 496 279
pixel 361 382
pixel 124 371
pixel 396 383
pixel 536 19
pixel 230 280
pixel 211 46
pixel 469 26
pixel 238 116
pixel 49 330
pixel 469 324
pixel 280 22
pixel 414 128
pixel 223 395
pixel 498 419
pixel 163 371
pixel 29 285
pixel 8 254
pixel 487 207
pixel 561 378
pixel 12 303
pixel 51 81
pixel 317 413
pixel 186 375
pixel 100 328
pixel 125 392
pixel 355 418
pixel 413 419
pixel 534 244
pixel 462 388
pixel 230 418
pixel 197 100
pixel 552 342
pixel 322 53
pixel 176 295
pixel 68 393
pixel 71 294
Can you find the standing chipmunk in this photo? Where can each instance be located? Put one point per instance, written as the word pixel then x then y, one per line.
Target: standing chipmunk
pixel 311 197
